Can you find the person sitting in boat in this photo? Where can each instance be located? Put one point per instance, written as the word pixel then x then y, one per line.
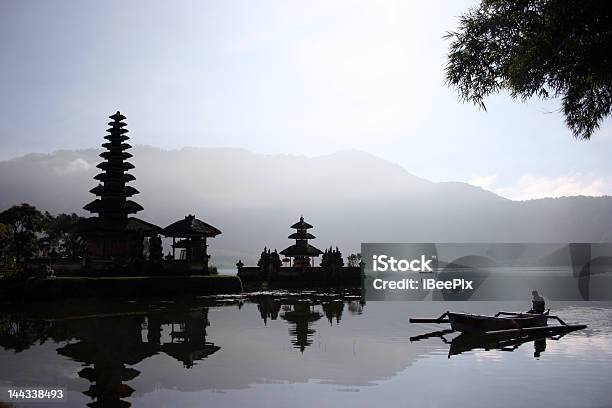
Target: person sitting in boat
pixel 538 305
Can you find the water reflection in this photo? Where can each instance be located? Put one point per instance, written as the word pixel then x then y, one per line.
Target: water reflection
pixel 301 315
pixel 301 312
pixel 131 350
pixel 108 345
pixel 464 342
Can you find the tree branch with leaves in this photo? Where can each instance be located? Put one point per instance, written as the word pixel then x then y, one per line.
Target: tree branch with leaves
pixel 542 48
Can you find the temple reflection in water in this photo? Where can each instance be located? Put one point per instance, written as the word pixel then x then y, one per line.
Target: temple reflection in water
pixel 302 313
pixel 217 351
pixel 110 344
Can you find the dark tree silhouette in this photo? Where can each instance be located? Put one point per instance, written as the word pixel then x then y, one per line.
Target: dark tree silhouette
pixel 332 258
pixel 6 237
pixel 66 244
pixel 155 248
pixel 25 221
pixel 264 258
pixel 354 260
pixel 543 48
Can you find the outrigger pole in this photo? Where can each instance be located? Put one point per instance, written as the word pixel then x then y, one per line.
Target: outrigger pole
pixel 441 319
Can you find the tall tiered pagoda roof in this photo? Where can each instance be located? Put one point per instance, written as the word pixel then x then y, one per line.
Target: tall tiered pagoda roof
pixel 113 204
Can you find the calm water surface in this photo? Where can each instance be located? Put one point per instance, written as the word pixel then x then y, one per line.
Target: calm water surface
pixel 297 350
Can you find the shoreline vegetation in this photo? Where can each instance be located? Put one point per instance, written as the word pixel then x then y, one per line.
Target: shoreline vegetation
pixel 58 288
pixel 16 288
pixel 41 260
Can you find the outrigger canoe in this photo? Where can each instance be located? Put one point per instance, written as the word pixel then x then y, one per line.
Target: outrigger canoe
pixel 470 323
pixel 504 331
pixel 502 324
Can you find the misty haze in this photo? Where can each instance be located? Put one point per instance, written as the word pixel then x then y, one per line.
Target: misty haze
pixel 349 196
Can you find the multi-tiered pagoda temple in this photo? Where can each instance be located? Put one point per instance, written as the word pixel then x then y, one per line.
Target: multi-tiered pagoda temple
pixel 113 205
pixel 301 252
pixel 113 233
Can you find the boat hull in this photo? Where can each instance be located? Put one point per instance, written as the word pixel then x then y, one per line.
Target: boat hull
pixel 467 323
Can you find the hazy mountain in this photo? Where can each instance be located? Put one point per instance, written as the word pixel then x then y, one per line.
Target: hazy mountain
pixel 350 197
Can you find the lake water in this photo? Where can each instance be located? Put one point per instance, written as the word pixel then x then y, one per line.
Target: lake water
pixel 296 350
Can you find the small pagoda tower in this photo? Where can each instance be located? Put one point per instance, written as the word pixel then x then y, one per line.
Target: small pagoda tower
pixel 301 251
pixel 113 205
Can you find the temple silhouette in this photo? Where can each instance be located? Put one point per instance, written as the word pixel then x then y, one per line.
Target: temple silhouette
pixel 300 260
pixel 301 252
pixel 112 233
pixel 116 241
pixel 192 234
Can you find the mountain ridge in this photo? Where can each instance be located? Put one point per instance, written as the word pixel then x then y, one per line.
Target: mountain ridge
pixel 349 196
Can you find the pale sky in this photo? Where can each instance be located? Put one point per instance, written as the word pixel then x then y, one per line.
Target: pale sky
pixel 299 77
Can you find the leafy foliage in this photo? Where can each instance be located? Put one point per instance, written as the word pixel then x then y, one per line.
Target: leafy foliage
pixel 6 237
pixel 60 239
pixel 269 257
pixel 542 48
pixel 332 258
pixel 155 248
pixel 24 221
pixel 24 228
pixel 354 260
pixel 6 234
